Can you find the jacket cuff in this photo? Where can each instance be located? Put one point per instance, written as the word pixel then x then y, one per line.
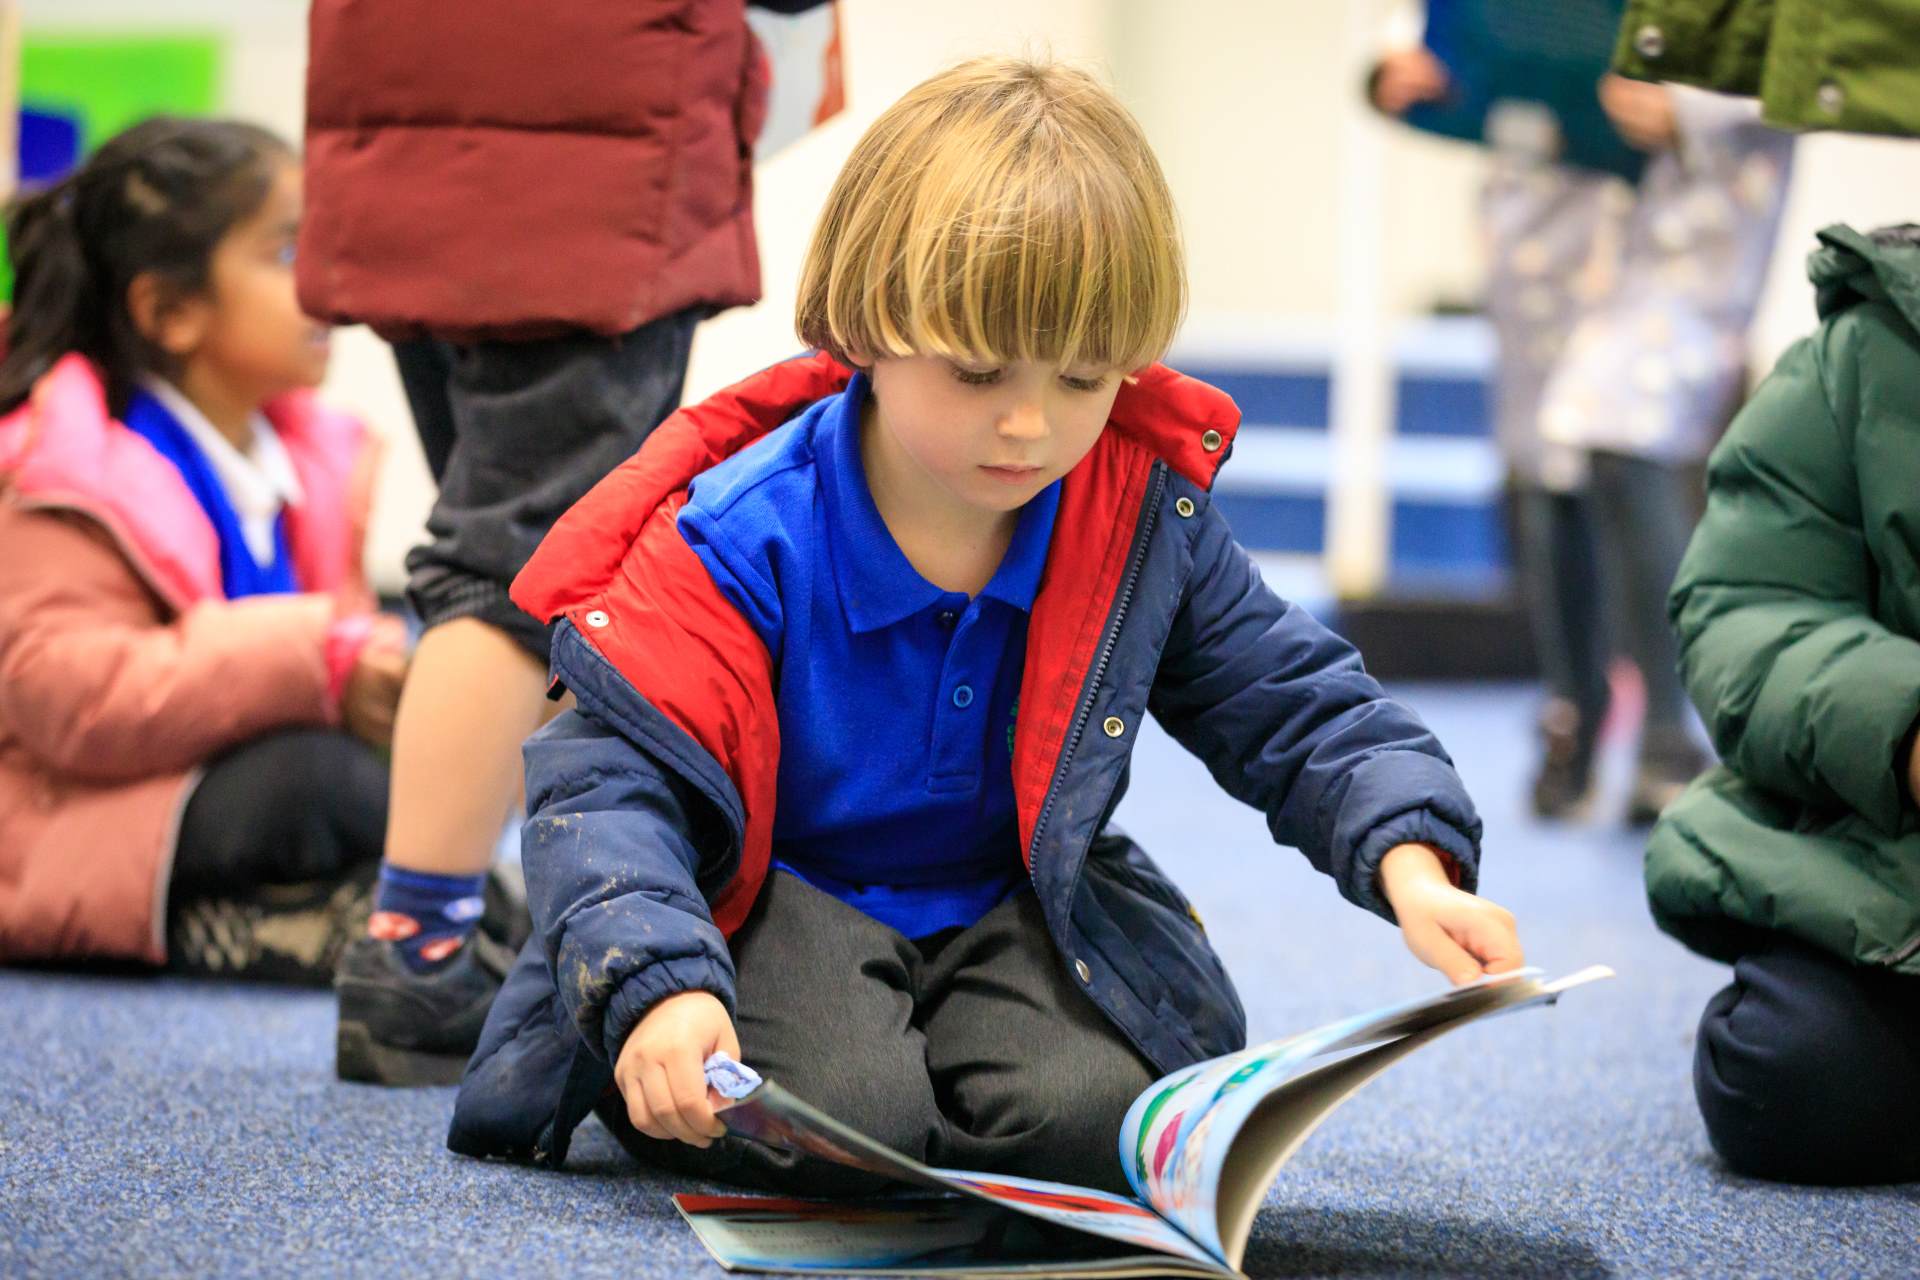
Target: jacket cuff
pixel 1844 720
pixel 646 988
pixel 1400 797
pixel 1416 826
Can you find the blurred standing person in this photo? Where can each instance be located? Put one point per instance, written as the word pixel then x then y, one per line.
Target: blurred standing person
pixel 1653 367
pixel 537 207
pixel 1621 315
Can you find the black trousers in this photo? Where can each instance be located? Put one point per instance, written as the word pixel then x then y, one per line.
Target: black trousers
pixel 289 807
pixel 974 1052
pixel 1620 540
pixel 1807 1068
pixel 515 433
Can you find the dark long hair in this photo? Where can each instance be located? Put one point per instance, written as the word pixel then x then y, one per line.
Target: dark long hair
pixel 155 198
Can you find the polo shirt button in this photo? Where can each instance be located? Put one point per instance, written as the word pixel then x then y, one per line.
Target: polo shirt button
pixel 1086 974
pixel 1114 726
pixel 963 696
pixel 946 617
pixel 597 618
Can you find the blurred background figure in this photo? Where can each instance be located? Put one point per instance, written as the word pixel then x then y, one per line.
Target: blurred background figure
pixel 541 255
pixel 193 680
pixel 1622 315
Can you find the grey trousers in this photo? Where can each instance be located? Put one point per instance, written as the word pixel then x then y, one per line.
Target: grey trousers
pixel 973 1050
pixel 515 433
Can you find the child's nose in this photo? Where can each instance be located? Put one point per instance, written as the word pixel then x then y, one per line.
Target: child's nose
pixel 1024 422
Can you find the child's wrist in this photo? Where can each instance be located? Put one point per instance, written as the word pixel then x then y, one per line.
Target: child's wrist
pixel 1409 866
pixel 346 639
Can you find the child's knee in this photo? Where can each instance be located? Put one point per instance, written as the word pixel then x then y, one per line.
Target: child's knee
pixel 894 1107
pixel 1057 1121
pixel 1790 1082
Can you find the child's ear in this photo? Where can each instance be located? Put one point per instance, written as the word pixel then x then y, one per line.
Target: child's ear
pixel 174 324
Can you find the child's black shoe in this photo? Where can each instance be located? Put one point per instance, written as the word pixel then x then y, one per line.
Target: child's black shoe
pixel 402 1027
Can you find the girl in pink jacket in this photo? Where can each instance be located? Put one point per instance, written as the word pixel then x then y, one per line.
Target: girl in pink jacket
pixel 194 684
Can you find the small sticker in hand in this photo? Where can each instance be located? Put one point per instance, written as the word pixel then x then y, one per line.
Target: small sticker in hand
pixel 730 1079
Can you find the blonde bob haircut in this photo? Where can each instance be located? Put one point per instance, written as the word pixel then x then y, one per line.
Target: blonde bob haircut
pixel 1004 210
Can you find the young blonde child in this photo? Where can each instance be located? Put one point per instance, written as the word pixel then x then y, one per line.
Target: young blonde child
pixel 861 647
pixel 193 680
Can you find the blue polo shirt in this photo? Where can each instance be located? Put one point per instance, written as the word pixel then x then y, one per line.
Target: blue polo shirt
pixel 897 699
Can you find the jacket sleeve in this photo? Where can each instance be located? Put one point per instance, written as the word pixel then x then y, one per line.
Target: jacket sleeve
pixel 1804 692
pixel 613 851
pixel 98 686
pixel 1286 718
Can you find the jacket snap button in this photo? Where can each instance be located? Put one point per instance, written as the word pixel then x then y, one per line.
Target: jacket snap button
pixel 1184 506
pixel 1210 440
pixel 597 618
pixel 1649 41
pixel 1830 98
pixel 1114 726
pixel 1080 967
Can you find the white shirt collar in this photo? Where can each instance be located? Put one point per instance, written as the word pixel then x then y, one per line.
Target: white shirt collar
pixel 259 483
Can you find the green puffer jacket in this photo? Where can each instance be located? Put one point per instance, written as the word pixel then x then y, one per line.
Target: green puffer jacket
pixel 1798 609
pixel 1814 64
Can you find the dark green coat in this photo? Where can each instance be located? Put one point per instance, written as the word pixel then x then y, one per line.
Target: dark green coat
pixel 1814 64
pixel 1798 610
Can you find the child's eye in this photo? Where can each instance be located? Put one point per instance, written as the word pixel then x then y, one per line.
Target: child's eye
pixel 976 377
pixel 1084 384
pixel 284 254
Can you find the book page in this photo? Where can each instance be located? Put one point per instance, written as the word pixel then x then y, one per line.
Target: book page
pixel 907 1235
pixel 765 1112
pixel 1178 1135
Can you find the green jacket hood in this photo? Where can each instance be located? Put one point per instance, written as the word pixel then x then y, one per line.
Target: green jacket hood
pixel 1853 266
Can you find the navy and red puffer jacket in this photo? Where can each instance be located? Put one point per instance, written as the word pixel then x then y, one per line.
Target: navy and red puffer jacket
pixel 651 805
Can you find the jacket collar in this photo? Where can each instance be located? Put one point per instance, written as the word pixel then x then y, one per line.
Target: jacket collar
pixel 63 449
pixel 879 586
pixel 1178 419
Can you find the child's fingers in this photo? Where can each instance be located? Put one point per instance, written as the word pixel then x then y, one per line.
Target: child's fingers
pixel 666 1116
pixel 639 1111
pixel 1494 941
pixel 1436 949
pixel 688 1083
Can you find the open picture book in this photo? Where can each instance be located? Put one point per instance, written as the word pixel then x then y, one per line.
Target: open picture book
pixel 1200 1148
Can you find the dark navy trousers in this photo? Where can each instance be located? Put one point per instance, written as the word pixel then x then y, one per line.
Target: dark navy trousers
pixel 1807 1068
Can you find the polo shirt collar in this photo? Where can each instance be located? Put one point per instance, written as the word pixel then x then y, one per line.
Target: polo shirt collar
pixel 879 586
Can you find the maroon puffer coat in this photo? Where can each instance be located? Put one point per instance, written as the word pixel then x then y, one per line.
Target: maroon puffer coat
pixel 489 169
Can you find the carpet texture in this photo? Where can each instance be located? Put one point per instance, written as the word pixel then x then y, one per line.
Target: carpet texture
pixel 159 1127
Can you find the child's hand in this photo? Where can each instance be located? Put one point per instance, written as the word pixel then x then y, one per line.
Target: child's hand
pixel 661 1071
pixel 1453 931
pixel 1642 112
pixel 1913 771
pixel 372 694
pixel 1406 78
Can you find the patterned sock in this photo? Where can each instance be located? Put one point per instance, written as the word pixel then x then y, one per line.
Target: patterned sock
pixel 430 916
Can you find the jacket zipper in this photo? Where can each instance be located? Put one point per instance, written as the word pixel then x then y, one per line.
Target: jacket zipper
pixel 1137 557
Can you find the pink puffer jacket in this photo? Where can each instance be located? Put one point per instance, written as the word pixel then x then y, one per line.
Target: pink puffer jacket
pixel 123 667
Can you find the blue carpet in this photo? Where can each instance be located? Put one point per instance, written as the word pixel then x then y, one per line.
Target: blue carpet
pixel 156 1127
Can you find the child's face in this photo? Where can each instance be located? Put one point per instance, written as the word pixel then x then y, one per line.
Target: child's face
pixel 990 436
pixel 256 339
